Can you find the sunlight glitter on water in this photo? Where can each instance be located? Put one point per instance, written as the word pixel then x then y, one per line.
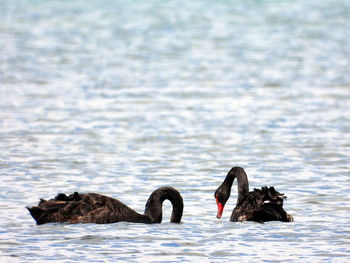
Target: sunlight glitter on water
pixel 121 98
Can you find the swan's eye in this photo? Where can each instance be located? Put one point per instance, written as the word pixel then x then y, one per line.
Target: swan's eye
pixel 218 197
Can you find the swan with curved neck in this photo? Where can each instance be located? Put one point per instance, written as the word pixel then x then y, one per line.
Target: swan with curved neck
pixel 261 205
pixel 101 209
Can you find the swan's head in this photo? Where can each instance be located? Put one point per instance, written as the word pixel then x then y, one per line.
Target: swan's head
pixel 221 195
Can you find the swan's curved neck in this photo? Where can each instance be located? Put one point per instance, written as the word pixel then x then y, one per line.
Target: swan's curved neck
pixel 153 208
pixel 242 181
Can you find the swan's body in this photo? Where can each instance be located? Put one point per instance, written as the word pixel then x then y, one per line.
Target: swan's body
pixel 260 205
pixel 101 209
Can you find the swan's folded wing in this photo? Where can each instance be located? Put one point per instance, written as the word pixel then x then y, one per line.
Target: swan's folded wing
pixel 109 210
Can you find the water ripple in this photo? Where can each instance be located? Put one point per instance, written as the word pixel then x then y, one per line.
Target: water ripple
pixel 121 98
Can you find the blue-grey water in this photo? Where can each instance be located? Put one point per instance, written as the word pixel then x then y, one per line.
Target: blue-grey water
pixel 122 97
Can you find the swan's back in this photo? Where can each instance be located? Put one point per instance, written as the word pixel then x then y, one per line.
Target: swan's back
pixel 83 208
pixel 261 205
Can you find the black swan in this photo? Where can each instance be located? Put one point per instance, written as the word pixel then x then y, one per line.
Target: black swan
pixel 260 205
pixel 101 209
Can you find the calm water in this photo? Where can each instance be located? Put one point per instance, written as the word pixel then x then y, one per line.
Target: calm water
pixel 122 97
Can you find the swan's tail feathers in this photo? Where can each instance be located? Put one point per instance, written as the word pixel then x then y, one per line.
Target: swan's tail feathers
pixel 36 213
pixel 272 208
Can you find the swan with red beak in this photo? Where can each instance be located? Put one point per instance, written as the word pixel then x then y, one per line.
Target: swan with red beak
pixel 260 205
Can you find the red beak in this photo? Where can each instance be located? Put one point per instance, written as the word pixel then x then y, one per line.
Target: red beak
pixel 220 209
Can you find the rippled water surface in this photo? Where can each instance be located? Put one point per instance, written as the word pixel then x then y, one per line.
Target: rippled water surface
pixel 122 97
